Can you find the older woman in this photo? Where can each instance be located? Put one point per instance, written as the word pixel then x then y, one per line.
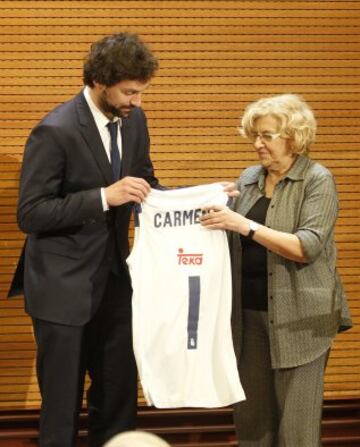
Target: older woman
pixel 288 299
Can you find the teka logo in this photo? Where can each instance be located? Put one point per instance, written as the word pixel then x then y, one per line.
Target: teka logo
pixel 189 258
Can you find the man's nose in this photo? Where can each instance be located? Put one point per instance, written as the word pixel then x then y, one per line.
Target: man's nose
pixel 136 100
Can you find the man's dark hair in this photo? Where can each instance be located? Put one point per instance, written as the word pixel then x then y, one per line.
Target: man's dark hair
pixel 117 58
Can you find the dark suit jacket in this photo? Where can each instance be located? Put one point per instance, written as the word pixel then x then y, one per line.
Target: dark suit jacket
pixel 71 241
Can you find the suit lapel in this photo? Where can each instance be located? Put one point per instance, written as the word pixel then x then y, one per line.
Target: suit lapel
pixel 92 137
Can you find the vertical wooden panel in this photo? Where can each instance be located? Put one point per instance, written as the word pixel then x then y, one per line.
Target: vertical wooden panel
pixel 215 56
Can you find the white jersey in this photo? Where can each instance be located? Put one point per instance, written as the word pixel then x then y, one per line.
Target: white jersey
pixel 181 281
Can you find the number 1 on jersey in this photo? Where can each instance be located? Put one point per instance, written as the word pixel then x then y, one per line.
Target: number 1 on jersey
pixel 194 309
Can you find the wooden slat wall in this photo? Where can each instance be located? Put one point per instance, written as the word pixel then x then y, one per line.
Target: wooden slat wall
pixel 216 56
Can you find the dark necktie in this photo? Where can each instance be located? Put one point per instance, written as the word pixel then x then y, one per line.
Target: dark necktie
pixel 114 152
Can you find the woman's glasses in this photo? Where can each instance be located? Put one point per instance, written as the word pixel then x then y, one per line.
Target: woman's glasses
pixel 264 136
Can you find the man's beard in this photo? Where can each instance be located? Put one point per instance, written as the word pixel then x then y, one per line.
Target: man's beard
pixel 109 109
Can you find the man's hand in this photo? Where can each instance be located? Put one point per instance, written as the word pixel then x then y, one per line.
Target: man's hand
pixel 128 189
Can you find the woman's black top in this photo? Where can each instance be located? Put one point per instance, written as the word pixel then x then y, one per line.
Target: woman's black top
pixel 254 265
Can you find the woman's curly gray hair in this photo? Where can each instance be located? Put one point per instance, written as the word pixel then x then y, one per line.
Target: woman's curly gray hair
pixel 295 118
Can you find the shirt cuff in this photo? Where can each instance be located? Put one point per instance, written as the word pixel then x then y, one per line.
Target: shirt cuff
pixel 103 200
pixel 311 244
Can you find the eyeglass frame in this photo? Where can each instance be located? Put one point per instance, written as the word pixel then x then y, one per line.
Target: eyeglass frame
pixel 264 136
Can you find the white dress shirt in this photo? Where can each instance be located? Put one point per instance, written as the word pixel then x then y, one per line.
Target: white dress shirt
pixel 101 122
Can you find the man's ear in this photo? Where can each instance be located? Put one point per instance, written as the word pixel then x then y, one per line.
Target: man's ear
pixel 99 87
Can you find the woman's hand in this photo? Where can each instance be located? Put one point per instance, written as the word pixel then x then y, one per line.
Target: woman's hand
pixel 222 218
pixel 230 189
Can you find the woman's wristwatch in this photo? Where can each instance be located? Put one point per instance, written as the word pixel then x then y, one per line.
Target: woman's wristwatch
pixel 253 226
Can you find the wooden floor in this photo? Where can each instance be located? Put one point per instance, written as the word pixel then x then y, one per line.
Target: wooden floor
pixel 192 427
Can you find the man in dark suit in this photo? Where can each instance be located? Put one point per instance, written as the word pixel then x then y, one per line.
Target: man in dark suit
pixel 79 181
